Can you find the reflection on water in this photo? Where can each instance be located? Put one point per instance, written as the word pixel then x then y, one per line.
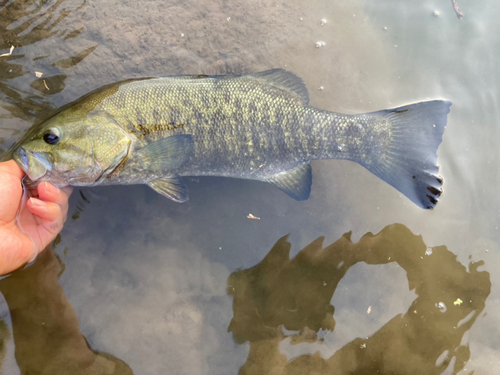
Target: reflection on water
pixel 50 85
pixel 28 24
pixel 45 329
pixel 295 294
pixel 277 296
pixel 79 206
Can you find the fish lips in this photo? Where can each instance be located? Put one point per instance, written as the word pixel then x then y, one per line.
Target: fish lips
pixel 35 164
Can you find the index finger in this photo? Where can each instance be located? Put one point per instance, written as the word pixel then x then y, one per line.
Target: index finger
pixel 51 193
pixel 12 168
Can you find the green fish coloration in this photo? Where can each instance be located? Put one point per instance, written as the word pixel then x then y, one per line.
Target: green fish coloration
pixel 256 126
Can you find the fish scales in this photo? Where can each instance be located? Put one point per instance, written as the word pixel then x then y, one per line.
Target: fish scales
pixel 257 126
pixel 233 123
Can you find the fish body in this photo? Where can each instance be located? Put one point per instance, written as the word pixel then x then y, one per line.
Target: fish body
pixel 257 126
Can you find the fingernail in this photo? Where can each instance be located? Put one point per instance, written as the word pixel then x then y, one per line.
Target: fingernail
pixel 51 188
pixel 37 202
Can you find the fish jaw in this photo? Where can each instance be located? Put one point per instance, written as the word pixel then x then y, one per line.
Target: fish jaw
pixel 35 164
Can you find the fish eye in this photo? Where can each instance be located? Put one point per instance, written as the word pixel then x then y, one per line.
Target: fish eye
pixel 52 136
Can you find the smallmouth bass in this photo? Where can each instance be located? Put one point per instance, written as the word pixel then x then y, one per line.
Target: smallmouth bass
pixel 256 126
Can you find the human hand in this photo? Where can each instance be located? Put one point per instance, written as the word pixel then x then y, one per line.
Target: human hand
pixel 41 219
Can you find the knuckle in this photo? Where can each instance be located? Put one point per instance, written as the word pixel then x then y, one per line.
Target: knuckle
pixel 54 227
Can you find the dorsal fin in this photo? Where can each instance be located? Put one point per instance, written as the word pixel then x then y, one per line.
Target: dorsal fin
pixel 285 80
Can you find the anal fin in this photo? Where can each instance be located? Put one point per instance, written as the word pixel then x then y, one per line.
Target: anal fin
pixel 173 188
pixel 296 183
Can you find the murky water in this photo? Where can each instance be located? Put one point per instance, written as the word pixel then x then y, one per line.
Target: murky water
pixel 139 284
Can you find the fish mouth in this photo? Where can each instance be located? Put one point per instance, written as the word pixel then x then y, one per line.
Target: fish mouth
pixel 36 165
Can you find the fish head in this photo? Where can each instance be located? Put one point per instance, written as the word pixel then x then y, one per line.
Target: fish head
pixel 72 151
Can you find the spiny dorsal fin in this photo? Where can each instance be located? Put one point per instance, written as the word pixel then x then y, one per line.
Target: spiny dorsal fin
pixel 171 187
pixel 285 80
pixel 296 183
pixel 167 153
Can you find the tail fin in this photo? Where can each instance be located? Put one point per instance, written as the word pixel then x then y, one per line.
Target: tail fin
pixel 410 165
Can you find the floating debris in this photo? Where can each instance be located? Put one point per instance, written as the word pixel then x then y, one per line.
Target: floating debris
pixel 458 302
pixel 45 83
pixel 8 53
pixel 441 306
pixel 182 35
pixel 228 18
pixel 323 22
pixel 320 44
pixel 369 310
pixel 250 216
pixel 457 9
pixel 321 88
pixel 436 13
pixel 428 251
pixel 38 74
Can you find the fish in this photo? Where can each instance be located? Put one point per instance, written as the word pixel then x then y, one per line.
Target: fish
pixel 256 126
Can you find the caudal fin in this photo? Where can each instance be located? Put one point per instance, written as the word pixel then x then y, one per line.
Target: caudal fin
pixel 410 164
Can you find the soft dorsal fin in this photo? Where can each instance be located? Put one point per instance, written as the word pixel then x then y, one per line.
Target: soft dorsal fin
pixel 296 183
pixel 285 80
pixel 171 187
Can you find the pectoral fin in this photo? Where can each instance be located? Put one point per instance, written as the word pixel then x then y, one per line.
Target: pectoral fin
pixel 171 187
pixel 168 153
pixel 296 183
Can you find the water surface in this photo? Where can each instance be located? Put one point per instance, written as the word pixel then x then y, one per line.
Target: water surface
pixel 139 284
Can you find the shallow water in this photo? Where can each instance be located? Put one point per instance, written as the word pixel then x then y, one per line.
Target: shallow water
pixel 198 288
